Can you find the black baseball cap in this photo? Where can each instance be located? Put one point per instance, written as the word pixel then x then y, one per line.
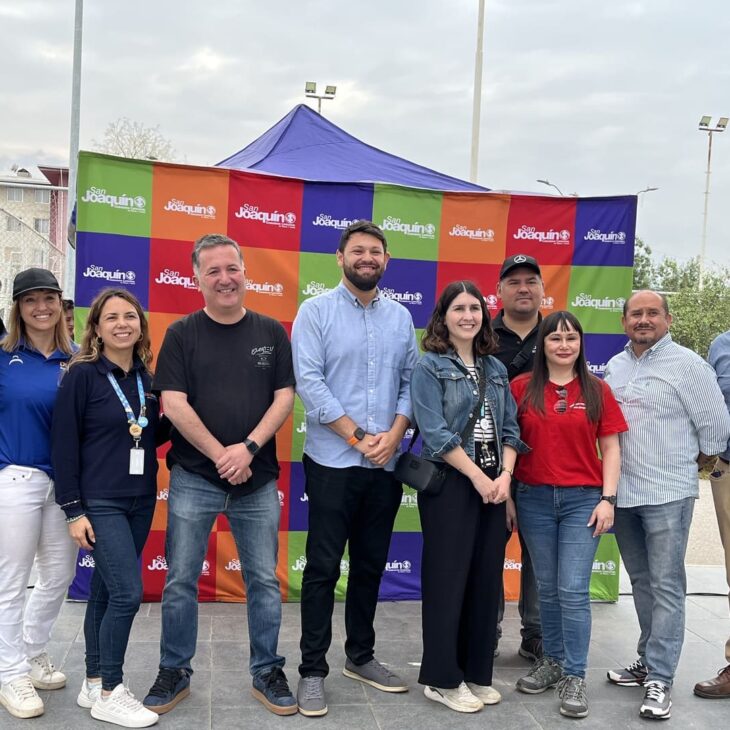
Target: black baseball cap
pixel 517 261
pixel 34 279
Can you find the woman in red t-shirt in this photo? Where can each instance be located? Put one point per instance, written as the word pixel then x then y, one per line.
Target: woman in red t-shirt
pixel 565 498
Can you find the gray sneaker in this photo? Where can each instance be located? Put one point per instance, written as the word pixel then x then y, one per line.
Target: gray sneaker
pixel 310 697
pixel 657 702
pixel 572 692
pixel 544 674
pixel 376 675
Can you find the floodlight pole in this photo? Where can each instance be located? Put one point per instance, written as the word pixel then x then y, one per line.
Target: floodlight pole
pixel 477 100
pixel 703 245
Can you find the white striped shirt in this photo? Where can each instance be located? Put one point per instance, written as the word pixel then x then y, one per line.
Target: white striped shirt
pixel 674 408
pixel 484 430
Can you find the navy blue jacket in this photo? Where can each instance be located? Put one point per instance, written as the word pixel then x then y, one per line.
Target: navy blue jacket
pixel 90 439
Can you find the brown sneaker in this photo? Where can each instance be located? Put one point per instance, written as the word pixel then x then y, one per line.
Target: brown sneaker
pixel 716 688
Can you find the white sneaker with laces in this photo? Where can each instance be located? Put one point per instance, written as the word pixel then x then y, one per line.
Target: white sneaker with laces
pixel 460 699
pixel 44 675
pixel 121 707
pixel 89 694
pixel 20 699
pixel 485 692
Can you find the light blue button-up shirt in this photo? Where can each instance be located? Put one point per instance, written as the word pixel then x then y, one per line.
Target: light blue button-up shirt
pixel 675 410
pixel 355 361
pixel 719 358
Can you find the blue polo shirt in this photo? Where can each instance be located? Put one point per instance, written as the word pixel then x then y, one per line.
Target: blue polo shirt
pixel 28 387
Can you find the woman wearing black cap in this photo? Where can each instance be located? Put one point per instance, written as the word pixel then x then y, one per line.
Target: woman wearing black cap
pixel 32 527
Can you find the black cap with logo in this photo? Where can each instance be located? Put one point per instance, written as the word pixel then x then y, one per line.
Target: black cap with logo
pixel 34 279
pixel 517 261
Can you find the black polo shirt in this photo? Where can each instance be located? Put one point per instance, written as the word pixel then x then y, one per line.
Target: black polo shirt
pixel 511 344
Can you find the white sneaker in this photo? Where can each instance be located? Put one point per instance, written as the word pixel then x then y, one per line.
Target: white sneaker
pixel 20 698
pixel 122 708
pixel 89 694
pixel 460 699
pixel 486 693
pixel 44 675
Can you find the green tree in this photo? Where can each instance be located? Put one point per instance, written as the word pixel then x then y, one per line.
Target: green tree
pixel 644 269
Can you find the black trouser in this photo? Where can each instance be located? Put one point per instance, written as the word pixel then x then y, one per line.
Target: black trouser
pixel 461 571
pixel 358 505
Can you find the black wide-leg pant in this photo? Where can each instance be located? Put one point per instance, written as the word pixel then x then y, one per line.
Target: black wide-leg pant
pixel 461 572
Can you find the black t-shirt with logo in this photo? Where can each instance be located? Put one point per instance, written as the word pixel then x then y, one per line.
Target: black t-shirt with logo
pixel 229 373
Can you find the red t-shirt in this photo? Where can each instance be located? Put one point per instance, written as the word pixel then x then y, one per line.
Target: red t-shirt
pixel 564 451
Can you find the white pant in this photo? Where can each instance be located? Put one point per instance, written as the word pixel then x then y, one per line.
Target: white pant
pixel 32 526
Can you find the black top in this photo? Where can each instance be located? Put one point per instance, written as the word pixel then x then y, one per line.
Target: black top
pixel 229 373
pixel 511 344
pixel 90 439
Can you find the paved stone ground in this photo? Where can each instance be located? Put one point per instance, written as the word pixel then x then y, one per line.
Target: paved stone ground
pixel 221 696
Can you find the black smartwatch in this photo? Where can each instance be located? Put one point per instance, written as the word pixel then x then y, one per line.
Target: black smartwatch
pixel 610 498
pixel 252 446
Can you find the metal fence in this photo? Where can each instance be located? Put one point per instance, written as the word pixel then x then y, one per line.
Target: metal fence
pixel 21 247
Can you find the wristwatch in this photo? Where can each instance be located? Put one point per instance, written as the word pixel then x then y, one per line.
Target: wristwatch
pixel 610 498
pixel 357 435
pixel 252 446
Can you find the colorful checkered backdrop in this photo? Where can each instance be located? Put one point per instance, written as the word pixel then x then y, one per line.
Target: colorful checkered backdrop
pixel 136 224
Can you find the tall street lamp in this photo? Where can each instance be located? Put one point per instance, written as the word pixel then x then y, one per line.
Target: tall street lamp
pixel 705 127
pixel 551 185
pixel 310 91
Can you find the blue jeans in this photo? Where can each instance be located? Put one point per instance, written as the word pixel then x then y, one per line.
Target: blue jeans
pixel 653 540
pixel 192 508
pixel 121 527
pixel 553 524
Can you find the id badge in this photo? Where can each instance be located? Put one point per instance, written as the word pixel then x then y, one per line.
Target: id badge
pixel 136 461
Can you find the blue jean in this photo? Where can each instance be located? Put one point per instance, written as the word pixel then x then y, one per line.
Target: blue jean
pixel 192 507
pixel 121 527
pixel 553 524
pixel 653 541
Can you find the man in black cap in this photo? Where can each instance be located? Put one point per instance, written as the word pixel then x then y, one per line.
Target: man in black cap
pixel 521 290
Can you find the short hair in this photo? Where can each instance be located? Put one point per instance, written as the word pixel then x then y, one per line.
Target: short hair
pixel 211 240
pixel 68 305
pixel 665 301
pixel 436 336
pixel 361 226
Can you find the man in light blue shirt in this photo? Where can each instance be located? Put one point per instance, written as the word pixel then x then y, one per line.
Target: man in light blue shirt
pixel 719 358
pixel 354 351
pixel 677 421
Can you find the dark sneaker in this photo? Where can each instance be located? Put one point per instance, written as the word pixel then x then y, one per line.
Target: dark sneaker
pixel 531 649
pixel 544 674
pixel 376 675
pixel 310 697
pixel 631 676
pixel 272 691
pixel 572 692
pixel 170 687
pixel 657 702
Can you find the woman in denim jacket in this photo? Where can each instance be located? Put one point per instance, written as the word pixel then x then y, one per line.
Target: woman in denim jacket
pixel 464 533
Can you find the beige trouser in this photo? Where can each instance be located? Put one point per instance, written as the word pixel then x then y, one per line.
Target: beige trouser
pixel 721 495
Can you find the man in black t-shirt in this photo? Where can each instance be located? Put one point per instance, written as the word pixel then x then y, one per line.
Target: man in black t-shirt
pixel 521 290
pixel 226 379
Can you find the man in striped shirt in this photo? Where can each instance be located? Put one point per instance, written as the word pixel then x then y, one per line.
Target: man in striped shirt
pixel 677 421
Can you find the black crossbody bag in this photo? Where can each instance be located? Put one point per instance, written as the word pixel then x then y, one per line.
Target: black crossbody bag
pixel 427 476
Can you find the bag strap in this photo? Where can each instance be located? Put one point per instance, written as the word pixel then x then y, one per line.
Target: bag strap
pixel 520 359
pixel 470 423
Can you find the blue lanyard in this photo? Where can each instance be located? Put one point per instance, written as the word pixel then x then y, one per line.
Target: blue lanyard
pixel 141 421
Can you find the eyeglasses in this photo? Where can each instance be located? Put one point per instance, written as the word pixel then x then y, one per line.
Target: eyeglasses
pixel 561 405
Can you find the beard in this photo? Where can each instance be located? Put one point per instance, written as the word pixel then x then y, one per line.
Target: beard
pixel 363 281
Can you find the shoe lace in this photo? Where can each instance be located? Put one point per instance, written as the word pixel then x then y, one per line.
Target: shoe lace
pixel 464 692
pixel 165 682
pixel 277 684
pixel 380 669
pixel 23 688
pixel 312 688
pixel 127 700
pixel 637 666
pixel 44 663
pixel 542 668
pixel 725 670
pixel 571 688
pixel 654 691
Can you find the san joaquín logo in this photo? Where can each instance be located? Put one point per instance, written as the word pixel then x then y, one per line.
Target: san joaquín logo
pixel 115 276
pixel 475 234
pixel 602 305
pixel 277 218
pixel 416 229
pixel 328 221
pixel 171 277
pixel 615 237
pixel 130 203
pixel 199 211
pixel 531 233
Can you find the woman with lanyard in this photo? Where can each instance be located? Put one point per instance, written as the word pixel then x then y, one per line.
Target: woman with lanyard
pixel 104 454
pixel 467 418
pixel 32 358
pixel 565 498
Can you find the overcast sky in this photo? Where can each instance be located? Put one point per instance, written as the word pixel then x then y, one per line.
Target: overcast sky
pixel 601 97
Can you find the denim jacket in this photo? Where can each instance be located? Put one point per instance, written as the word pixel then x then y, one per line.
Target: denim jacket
pixel 443 395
